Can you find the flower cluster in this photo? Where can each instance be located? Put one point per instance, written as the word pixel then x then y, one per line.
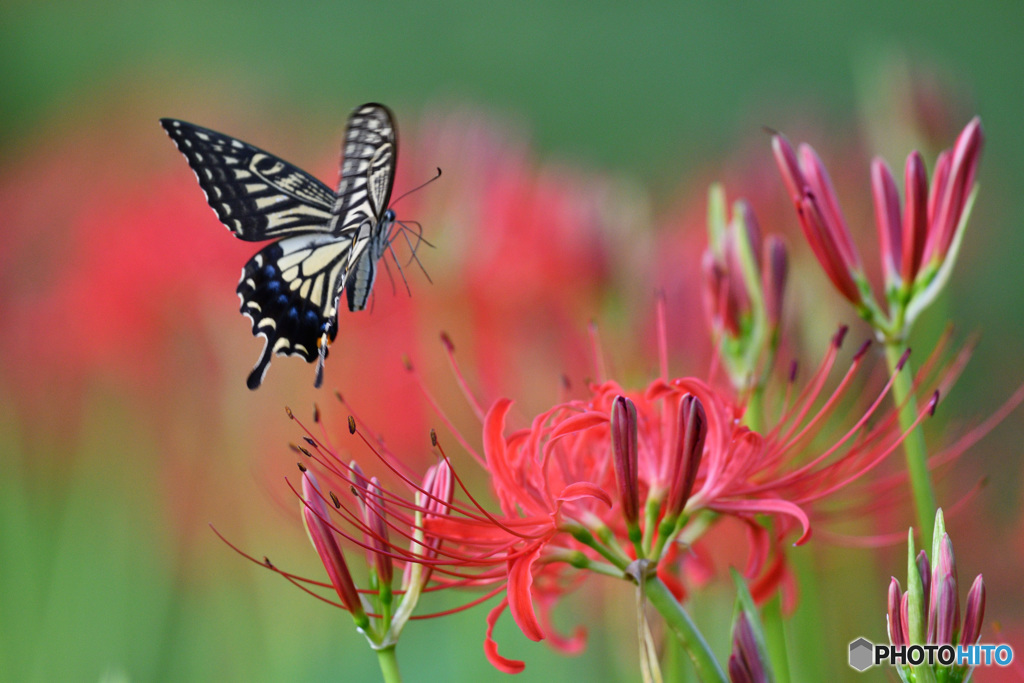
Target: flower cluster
pixel 929 611
pixel 918 244
pixel 744 282
pixel 593 484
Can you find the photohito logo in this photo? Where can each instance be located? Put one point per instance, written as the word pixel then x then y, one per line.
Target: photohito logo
pixel 865 654
pixel 860 654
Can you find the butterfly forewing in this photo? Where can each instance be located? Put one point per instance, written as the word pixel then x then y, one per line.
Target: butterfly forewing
pixel 367 172
pixel 255 194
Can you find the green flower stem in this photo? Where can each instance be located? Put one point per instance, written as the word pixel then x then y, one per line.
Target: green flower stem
pixel 754 414
pixel 775 635
pixel 389 665
pixel 708 668
pixel 579 560
pixel 913 444
pixel 651 511
pixel 584 536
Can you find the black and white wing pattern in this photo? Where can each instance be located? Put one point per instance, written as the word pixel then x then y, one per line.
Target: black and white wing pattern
pixel 256 195
pixel 290 288
pixel 368 159
pixel 367 170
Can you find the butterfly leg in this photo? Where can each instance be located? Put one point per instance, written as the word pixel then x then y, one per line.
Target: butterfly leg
pixel 413 256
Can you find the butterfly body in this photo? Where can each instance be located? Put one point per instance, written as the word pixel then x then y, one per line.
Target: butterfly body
pixel 364 271
pixel 326 241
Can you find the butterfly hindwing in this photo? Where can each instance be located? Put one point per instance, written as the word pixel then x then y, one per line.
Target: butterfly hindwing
pixel 254 194
pixel 288 291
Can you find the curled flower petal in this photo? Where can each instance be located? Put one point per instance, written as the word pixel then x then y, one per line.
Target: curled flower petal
pixel 768 506
pixel 503 664
pixel 494 428
pixel 520 602
pixel 579 422
pixel 584 489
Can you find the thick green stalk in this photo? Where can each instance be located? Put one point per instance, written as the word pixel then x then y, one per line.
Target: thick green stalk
pixel 389 665
pixel 708 668
pixel 913 445
pixel 775 635
pixel 808 621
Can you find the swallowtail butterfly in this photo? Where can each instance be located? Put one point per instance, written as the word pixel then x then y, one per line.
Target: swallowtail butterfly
pixel 326 241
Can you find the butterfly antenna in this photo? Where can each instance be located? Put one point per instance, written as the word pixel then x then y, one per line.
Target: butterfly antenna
pixel 418 187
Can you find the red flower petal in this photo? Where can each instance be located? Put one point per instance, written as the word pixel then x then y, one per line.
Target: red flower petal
pixel 578 423
pixel 520 601
pixel 494 428
pixel 584 489
pixel 503 664
pixel 771 506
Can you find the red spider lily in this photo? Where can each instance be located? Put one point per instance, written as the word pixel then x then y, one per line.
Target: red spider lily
pixel 678 454
pixel 560 471
pixel 415 529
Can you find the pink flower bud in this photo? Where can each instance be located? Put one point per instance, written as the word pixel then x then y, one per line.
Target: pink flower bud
pixel 691 431
pixel 316 516
pixel 895 613
pixel 746 664
pixel 915 216
pixel 624 456
pixel 887 218
pixel 975 612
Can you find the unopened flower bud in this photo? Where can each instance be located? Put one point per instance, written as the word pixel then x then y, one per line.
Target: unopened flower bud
pixel 316 517
pixel 691 430
pixel 624 456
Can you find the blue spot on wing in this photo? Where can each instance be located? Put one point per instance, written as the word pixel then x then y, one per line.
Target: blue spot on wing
pixel 296 320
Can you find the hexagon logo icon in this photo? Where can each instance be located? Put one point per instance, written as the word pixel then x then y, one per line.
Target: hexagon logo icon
pixel 860 654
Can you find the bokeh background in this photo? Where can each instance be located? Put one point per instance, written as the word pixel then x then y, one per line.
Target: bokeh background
pixel 577 143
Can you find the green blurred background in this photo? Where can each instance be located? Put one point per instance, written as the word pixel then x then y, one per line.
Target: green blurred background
pixel 110 473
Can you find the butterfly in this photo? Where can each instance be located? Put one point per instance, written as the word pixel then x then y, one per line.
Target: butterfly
pixel 327 241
